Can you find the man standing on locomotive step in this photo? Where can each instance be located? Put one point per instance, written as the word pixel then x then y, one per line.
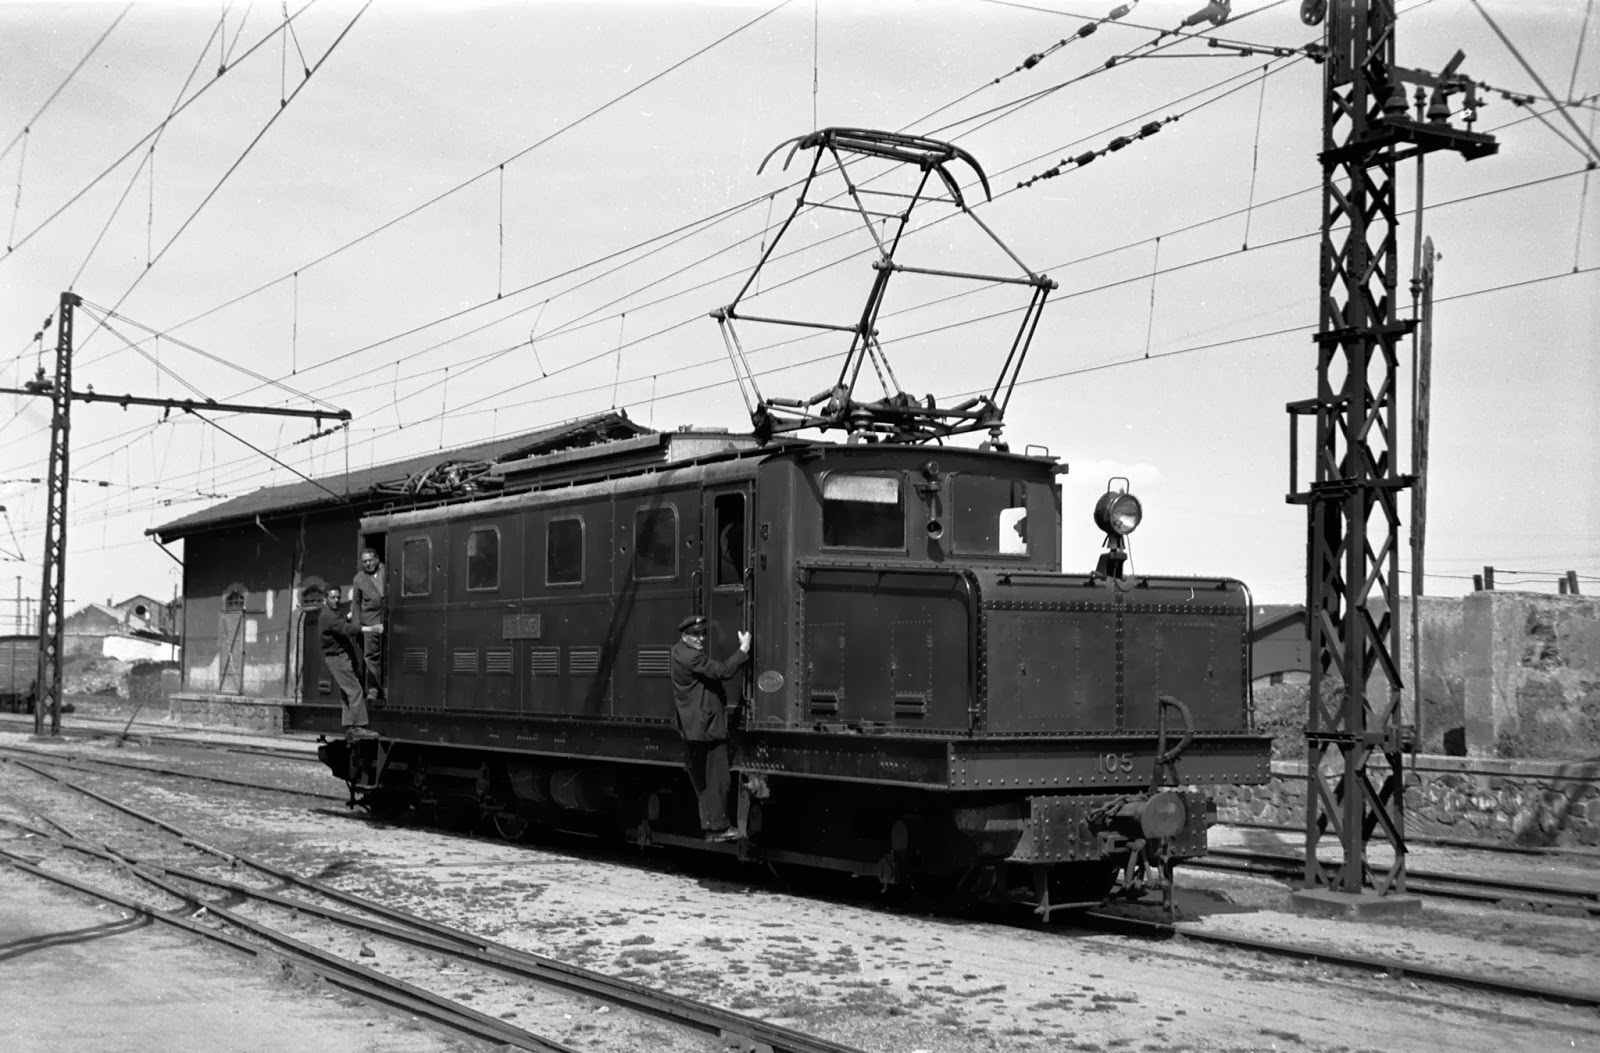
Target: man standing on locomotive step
pixel 367 604
pixel 700 694
pixel 337 639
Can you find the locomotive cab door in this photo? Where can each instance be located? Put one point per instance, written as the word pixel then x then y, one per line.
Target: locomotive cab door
pixel 726 576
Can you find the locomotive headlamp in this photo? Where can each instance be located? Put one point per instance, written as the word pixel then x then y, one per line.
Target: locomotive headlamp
pixel 1163 815
pixel 1118 513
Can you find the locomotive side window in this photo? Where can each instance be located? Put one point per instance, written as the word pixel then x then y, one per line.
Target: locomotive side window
pixel 416 564
pixel 863 511
pixel 483 558
pixel 563 552
pixel 991 515
pixel 655 543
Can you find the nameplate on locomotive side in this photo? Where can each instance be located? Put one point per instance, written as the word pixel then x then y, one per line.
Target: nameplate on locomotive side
pixel 521 626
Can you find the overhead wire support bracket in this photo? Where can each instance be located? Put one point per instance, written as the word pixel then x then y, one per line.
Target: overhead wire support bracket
pixel 52 613
pixel 898 416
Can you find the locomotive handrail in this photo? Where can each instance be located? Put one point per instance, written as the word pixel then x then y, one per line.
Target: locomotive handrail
pixel 1165 757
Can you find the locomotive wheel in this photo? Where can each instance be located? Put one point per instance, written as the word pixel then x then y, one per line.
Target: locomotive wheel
pixel 459 815
pixel 512 827
pixel 385 805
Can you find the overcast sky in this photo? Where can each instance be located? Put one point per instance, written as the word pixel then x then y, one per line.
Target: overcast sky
pixel 441 190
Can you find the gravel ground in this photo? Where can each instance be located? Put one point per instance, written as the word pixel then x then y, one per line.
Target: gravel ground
pixel 840 962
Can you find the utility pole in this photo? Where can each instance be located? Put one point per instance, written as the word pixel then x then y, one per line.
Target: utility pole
pixel 52 612
pixel 1352 549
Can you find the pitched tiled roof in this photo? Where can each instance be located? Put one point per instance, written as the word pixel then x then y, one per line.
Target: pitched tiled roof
pixel 362 486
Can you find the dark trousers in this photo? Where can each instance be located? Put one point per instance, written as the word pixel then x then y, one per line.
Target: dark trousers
pixel 344 675
pixel 372 659
pixel 708 772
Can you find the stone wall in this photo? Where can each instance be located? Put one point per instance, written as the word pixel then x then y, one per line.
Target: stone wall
pixel 263 715
pixel 1525 802
pixel 1504 674
pixel 1533 675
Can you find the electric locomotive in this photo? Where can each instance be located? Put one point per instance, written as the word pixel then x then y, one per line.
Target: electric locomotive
pixel 930 697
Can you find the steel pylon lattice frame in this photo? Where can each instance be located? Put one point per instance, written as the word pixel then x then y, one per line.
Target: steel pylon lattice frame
pixel 1352 551
pixel 52 595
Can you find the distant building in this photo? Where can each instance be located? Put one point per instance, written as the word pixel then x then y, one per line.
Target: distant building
pixel 244 560
pixel 138 627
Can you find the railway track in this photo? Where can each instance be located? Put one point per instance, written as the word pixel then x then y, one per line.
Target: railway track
pixel 403 927
pixel 78 761
pixel 1549 898
pixel 1542 897
pixel 1497 847
pixel 111 731
pixel 251 936
pixel 1380 964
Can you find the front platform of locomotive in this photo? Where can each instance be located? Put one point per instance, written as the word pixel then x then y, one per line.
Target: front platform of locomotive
pixel 1083 718
pixel 1140 684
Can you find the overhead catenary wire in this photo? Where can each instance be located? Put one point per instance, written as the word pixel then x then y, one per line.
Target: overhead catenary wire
pixel 676 327
pixel 149 161
pixel 457 188
pixel 31 121
pixel 462 185
pixel 195 212
pixel 456 314
pixel 465 410
pixel 1577 55
pixel 1561 109
pixel 1205 260
pixel 11 247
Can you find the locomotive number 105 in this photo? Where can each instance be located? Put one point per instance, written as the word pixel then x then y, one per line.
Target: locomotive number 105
pixel 1117 762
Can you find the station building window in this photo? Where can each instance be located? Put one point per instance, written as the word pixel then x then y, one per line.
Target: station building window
pixel 563 552
pixel 416 567
pixel 991 515
pixel 483 559
pixel 655 543
pixel 863 510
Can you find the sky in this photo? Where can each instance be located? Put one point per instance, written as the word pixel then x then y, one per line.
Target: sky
pixel 474 219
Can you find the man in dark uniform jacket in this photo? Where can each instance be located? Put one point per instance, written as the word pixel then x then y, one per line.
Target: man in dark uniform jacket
pixel 699 692
pixel 368 606
pixel 337 637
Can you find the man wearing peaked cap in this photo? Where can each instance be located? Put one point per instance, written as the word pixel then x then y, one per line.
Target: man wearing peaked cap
pixel 699 692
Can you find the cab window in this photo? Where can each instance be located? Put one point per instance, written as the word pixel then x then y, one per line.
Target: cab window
pixel 991 515
pixel 863 510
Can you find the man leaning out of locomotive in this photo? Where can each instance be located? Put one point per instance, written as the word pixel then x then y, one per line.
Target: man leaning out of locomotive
pixel 367 604
pixel 700 695
pixel 338 639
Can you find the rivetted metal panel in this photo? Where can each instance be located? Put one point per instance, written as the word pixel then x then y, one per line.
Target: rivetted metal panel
pixel 1051 667
pixel 1196 654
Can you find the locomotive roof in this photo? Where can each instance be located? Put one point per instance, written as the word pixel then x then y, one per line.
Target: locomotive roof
pixel 362 486
pixel 736 462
